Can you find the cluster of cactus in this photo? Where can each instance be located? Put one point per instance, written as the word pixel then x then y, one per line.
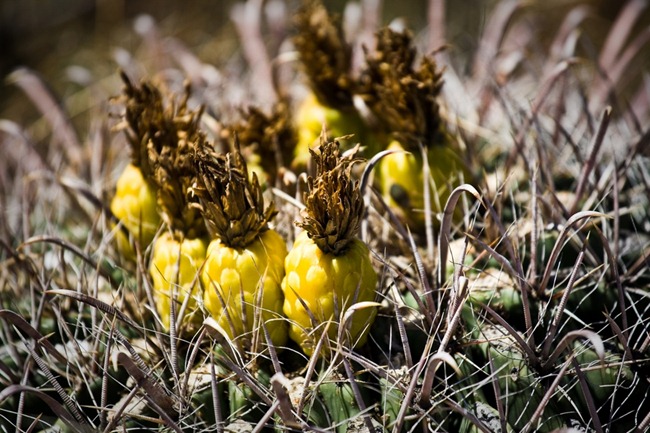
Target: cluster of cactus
pixel 217 252
pixel 391 104
pixel 289 284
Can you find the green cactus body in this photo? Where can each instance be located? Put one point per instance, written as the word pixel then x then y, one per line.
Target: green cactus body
pixel 392 398
pixel 520 388
pixel 204 396
pixel 602 378
pixel 498 293
pixel 487 416
pixel 240 402
pixel 243 403
pixel 339 399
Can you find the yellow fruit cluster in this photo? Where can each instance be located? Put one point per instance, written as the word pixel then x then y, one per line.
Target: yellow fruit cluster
pixel 245 259
pixel 218 252
pixel 391 103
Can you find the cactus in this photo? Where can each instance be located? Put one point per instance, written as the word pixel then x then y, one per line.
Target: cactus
pixel 328 270
pixel 527 314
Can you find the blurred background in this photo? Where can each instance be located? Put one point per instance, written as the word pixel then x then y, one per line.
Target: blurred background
pixel 61 38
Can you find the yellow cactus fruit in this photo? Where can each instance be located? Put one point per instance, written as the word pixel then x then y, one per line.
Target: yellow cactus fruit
pixel 179 252
pixel 310 119
pixel 405 100
pixel 328 269
pixel 326 59
pixel 174 271
pixel 134 204
pixel 315 278
pixel 234 277
pixel 401 179
pixel 244 264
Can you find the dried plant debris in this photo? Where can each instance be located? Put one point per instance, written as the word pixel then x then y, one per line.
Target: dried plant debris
pixel 266 140
pixel 174 175
pixel 324 54
pixel 154 123
pixel 232 204
pixel 171 153
pixel 402 94
pixel 334 204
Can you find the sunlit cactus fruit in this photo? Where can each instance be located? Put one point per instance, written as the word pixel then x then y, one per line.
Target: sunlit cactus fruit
pixel 182 310
pixel 404 99
pixel 325 58
pixel 134 202
pixel 245 259
pixel 329 269
pixel 402 179
pixel 179 252
pixel 174 267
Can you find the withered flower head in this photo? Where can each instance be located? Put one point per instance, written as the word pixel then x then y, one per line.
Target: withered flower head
pixel 402 96
pixel 271 137
pixel 153 124
pixel 334 204
pixel 325 55
pixel 174 175
pixel 231 203
pixel 162 132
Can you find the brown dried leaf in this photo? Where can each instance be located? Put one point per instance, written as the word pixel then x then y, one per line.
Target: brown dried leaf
pixel 334 203
pixel 269 139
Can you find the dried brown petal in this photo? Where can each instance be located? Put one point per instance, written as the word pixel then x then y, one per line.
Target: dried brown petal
pixel 334 204
pixel 174 175
pixel 231 203
pixel 325 55
pixel 162 133
pixel 402 96
pixel 271 138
